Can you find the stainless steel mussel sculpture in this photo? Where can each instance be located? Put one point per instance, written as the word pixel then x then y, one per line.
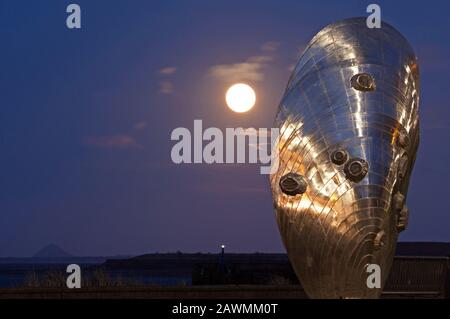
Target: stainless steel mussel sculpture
pixel 349 133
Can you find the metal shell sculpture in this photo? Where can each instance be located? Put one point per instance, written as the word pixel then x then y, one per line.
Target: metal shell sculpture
pixel 349 132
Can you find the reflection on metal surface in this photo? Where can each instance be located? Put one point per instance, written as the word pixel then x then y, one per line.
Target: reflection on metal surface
pixel 402 167
pixel 379 240
pixel 347 216
pixel 402 221
pixel 403 139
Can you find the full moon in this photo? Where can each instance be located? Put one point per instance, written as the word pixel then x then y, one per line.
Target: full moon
pixel 240 97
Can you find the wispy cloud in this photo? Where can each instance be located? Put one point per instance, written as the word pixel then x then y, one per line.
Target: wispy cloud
pixel 166 85
pixel 270 46
pixel 168 70
pixel 140 126
pixel 121 141
pixel 251 69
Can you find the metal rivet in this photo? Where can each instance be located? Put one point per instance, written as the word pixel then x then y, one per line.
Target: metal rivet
pixel 363 82
pixel 339 157
pixel 293 184
pixel 356 169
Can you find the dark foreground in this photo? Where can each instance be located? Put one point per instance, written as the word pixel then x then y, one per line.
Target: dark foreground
pixel 202 292
pixel 420 270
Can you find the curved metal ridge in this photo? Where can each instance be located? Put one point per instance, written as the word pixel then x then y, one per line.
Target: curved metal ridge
pixel 355 90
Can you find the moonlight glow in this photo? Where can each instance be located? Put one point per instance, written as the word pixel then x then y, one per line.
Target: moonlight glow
pixel 240 97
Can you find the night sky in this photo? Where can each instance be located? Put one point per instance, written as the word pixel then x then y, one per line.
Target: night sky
pixel 86 117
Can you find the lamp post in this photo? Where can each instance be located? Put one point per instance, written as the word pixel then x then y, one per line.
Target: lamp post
pixel 222 259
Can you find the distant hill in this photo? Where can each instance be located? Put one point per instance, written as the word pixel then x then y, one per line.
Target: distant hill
pixel 52 251
pixel 53 254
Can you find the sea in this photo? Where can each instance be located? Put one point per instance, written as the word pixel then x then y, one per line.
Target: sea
pixel 17 275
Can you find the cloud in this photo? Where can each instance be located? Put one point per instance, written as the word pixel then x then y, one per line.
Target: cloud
pixel 139 126
pixel 120 141
pixel 270 46
pixel 166 87
pixel 169 70
pixel 249 70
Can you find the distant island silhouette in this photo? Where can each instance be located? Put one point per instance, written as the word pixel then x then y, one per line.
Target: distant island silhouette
pixel 52 251
pixel 55 254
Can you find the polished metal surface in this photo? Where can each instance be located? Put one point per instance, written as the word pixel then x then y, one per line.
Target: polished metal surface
pixel 349 128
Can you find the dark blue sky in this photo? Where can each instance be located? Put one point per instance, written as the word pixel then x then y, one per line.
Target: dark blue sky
pixel 86 117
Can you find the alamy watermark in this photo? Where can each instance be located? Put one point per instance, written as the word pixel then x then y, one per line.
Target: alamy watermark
pixel 74 279
pixel 235 145
pixel 374 19
pixel 374 277
pixel 73 20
